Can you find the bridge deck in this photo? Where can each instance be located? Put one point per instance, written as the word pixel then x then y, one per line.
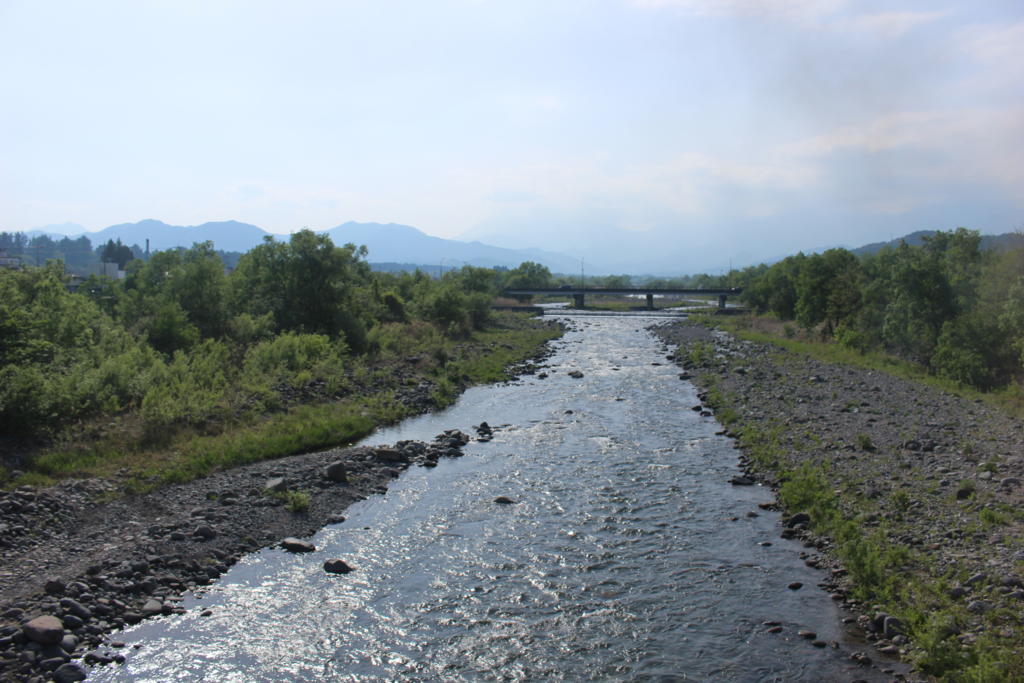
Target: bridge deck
pixel 569 291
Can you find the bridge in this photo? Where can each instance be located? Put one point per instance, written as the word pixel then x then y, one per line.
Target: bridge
pixel 578 293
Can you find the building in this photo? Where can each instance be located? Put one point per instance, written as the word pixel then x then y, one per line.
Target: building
pixel 9 261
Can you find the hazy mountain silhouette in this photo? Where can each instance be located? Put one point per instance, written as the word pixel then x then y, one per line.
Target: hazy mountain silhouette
pixel 226 235
pixel 1006 240
pixel 389 242
pixel 392 242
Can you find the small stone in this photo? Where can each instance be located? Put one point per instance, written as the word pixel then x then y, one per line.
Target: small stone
pixel 68 673
pixel 504 500
pixel 976 579
pixel 576 374
pixel 742 481
pixel 798 518
pixel 809 635
pixel 68 643
pixel 390 455
pixel 54 587
pixel 978 607
pixel 892 627
pixel 204 532
pixel 152 607
pixel 335 519
pixel 76 608
pixel 276 484
pixel 795 586
pixel 336 471
pixel 294 545
pixel 336 566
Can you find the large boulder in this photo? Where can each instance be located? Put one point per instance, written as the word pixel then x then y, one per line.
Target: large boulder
pixel 45 630
pixel 336 566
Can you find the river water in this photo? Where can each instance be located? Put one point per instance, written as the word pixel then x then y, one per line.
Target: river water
pixel 627 556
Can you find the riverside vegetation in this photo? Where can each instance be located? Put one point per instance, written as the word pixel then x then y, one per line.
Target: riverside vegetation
pixel 181 369
pixel 882 396
pixel 947 306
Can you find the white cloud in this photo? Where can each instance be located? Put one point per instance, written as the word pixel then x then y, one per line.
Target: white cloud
pixel 891 24
pixel 793 10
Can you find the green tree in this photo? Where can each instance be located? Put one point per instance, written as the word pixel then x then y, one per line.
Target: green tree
pixel 307 285
pixel 528 275
pixel 115 252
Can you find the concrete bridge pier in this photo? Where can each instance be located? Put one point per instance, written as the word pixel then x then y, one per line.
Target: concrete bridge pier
pixel 650 301
pixel 577 299
pixel 721 302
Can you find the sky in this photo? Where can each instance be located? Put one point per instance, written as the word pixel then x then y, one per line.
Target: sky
pixel 645 135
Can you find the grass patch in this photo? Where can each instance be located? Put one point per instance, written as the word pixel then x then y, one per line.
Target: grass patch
pixel 759 329
pixel 294 501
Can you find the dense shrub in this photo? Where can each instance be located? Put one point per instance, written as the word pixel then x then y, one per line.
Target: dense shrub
pixel 945 304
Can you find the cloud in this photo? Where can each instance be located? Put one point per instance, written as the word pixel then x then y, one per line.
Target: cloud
pixel 790 10
pixel 891 24
pixel 997 50
pixel 906 159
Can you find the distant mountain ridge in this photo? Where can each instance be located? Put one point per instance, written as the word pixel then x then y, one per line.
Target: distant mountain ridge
pixel 1007 240
pixel 388 242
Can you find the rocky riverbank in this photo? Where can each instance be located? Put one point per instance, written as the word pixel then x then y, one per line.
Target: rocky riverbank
pixel 96 568
pixel 83 559
pixel 912 495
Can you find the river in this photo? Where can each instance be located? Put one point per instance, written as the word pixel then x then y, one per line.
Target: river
pixel 627 556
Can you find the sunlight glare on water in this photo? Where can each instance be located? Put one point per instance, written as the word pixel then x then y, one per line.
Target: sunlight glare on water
pixel 621 559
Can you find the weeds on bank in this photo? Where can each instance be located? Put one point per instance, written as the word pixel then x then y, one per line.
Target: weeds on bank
pixel 294 501
pixel 883 572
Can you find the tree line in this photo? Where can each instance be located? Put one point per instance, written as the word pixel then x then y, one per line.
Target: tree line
pixel 946 304
pixel 181 341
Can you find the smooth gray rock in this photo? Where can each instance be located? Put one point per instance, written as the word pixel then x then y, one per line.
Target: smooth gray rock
pixel 294 545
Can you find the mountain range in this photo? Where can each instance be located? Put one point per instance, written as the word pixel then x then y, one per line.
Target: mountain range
pixel 387 242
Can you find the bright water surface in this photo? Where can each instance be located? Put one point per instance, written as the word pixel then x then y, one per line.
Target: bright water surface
pixel 620 560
